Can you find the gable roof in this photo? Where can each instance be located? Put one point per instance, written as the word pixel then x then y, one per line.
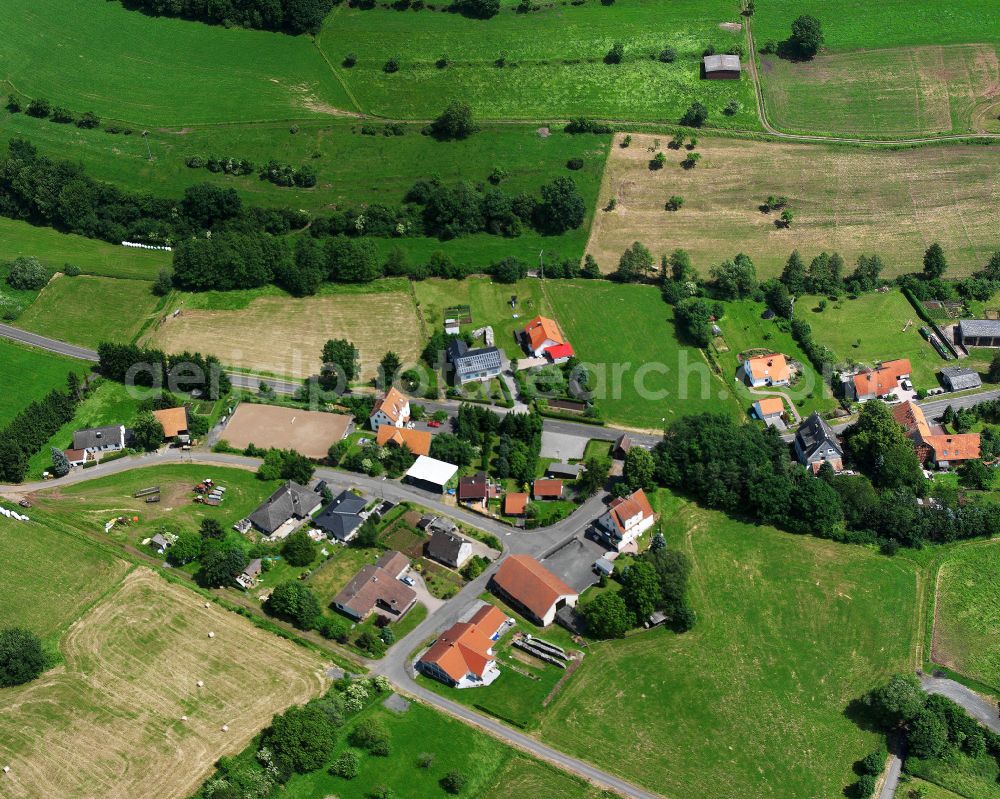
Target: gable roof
pixel 910 415
pixel 174 421
pixel 474 486
pixel 558 351
pixel 952 448
pixel 514 503
pixel 773 365
pixel 445 546
pixel 547 488
pixel 99 437
pixel 814 433
pixel 290 501
pixel 418 441
pixel 467 647
pixel 881 381
pixel 722 63
pixel 961 377
pixel 623 443
pixel 527 581
pixel 393 405
pixel 770 406
pixel 624 508
pixel 479 360
pixel 377 583
pixel 564 469
pixel 542 329
pixel 987 328
pixel 342 516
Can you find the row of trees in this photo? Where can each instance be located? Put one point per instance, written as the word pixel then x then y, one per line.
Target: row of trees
pixel 289 16
pixel 40 108
pixel 28 432
pixel 276 172
pixel 187 371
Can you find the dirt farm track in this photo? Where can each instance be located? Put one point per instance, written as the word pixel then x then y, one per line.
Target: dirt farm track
pixel 110 718
pixel 309 433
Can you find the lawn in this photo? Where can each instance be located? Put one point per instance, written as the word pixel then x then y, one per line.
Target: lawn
pixel 28 375
pixel 521 776
pixel 850 200
pixel 542 64
pixel 893 68
pixel 743 330
pixel 89 310
pixel 94 257
pixel 752 702
pixel 160 71
pixel 126 709
pixel 871 328
pixel 275 334
pixel 489 304
pixel 328 580
pixel 644 375
pixel 972 778
pixel 967 624
pixel 50 579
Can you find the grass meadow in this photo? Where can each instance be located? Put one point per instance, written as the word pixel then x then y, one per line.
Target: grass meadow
pixel 967 624
pixel 88 310
pixel 619 328
pixel 159 71
pixel 752 701
pixel 872 328
pixel 29 374
pixel 961 776
pixel 889 69
pixel 553 61
pixel 845 199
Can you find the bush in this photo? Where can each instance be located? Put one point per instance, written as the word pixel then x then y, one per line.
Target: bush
pixel 616 54
pixel 668 55
pixel 88 120
pixel 455 122
pixel 298 549
pixel 732 108
pixel 392 65
pixel 346 766
pixel 695 116
pixel 454 781
pixel 27 274
pixel 62 115
pixel 584 125
pixel 71 270
pixel 21 656
pixel 39 108
pixel 574 163
pixel 674 203
pixel 350 60
pixel 13 104
pixel 369 734
pixel 865 787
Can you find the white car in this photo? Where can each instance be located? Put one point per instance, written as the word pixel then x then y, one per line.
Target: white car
pixel 407 580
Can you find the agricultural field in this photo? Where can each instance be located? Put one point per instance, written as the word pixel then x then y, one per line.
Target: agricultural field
pixel 110 719
pixel 522 776
pixel 489 304
pixel 88 310
pixel 790 631
pixel 55 249
pixel 619 326
pixel 547 62
pixel 849 200
pixel 161 72
pixel 28 375
pixel 873 327
pixel 888 69
pixel 967 620
pixel 268 332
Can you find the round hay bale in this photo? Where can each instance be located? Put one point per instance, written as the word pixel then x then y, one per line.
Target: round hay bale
pixel 225 728
pixel 201 683
pixel 208 604
pixel 211 635
pixel 184 718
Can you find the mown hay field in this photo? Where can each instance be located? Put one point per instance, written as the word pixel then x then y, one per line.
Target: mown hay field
pixel 967 622
pixel 28 375
pixel 754 700
pixel 849 200
pixel 109 721
pixel 278 335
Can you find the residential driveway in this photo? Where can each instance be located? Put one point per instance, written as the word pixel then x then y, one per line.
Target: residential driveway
pixel 562 445
pixel 573 562
pixel 424 597
pixel 982 709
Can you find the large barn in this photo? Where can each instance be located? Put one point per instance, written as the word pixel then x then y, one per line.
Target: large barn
pixel 722 67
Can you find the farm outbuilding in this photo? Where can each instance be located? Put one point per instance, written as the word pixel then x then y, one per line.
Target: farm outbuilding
pixel 978 333
pixel 721 67
pixel 960 378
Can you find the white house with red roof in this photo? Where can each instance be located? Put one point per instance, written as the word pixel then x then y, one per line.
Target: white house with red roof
pixel 393 409
pixel 626 519
pixel 531 589
pixel 462 656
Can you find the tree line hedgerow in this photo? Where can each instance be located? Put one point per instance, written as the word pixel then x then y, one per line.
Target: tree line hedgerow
pixel 28 432
pixel 184 372
pixel 289 16
pixel 277 173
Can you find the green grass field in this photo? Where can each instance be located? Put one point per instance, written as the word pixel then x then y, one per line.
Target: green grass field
pixel 967 627
pixel 554 61
pixel 628 330
pixel 56 249
pixel 752 701
pixel 888 69
pixel 743 330
pixel 88 310
pixel 963 776
pixel 871 328
pixel 50 578
pixel 29 374
pixel 156 72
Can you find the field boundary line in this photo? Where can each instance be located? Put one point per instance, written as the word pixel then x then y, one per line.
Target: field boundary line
pixel 333 71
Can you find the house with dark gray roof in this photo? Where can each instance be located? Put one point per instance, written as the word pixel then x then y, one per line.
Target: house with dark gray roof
pixel 449 549
pixel 102 439
pixel 816 443
pixel 960 378
pixel 342 518
pixel 482 364
pixel 978 333
pixel 568 471
pixel 285 509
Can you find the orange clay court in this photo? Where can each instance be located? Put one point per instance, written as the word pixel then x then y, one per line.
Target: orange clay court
pixel 309 433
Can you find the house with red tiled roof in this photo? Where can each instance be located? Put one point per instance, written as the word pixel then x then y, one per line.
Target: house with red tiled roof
pixel 625 520
pixel 540 334
pixel 174 422
pixel 767 370
pixel 391 409
pixel 462 656
pixel 930 443
pixel 877 383
pixel 769 409
pixel 547 489
pixel 531 589
pixel 515 503
pixel 418 441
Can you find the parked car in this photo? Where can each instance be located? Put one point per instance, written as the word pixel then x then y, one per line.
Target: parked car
pixel 434 423
pixel 407 580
